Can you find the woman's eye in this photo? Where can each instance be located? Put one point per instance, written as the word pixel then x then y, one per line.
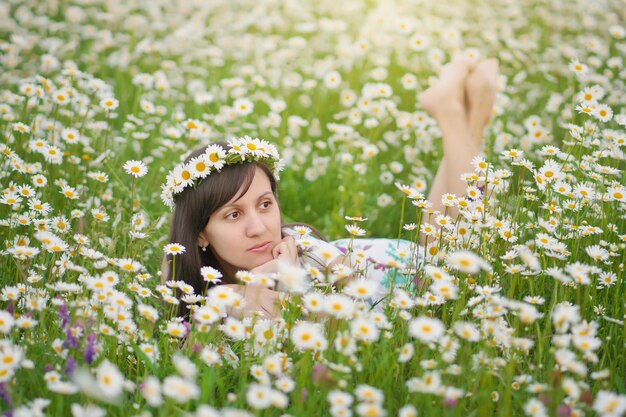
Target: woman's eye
pixel 232 216
pixel 266 204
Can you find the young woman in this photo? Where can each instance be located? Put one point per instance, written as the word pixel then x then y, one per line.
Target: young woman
pixel 226 210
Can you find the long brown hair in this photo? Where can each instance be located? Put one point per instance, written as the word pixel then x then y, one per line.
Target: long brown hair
pixel 193 209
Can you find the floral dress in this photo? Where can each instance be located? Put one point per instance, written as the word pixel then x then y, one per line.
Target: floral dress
pixel 390 262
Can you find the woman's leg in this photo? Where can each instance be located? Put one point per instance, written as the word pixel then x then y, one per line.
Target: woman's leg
pixel 461 102
pixel 480 94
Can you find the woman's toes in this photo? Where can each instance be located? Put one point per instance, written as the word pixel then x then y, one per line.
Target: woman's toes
pixel 456 71
pixel 491 68
pixel 483 80
pixel 449 89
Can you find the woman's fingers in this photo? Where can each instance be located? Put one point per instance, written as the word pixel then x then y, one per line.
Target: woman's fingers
pixel 279 249
pixel 286 250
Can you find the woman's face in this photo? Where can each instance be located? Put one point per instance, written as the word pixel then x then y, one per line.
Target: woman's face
pixel 242 233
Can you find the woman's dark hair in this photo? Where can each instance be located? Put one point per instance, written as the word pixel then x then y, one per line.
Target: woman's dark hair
pixel 193 208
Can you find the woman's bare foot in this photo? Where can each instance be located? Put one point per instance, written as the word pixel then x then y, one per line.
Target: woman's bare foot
pixel 480 93
pixel 447 95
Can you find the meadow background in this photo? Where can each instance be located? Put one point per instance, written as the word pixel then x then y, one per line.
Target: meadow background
pixel 523 306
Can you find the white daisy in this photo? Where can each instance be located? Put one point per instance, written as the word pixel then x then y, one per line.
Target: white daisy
pixel 215 156
pixel 109 379
pixel 180 390
pixel 135 168
pixel 426 329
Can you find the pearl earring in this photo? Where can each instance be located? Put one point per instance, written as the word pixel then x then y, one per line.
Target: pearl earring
pixel 204 249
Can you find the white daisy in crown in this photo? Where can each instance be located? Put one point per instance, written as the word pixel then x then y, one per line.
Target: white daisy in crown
pixel 200 166
pixel 181 178
pixel 216 156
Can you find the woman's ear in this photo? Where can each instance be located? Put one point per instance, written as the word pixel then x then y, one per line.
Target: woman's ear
pixel 202 241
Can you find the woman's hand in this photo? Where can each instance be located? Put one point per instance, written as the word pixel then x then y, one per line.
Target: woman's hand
pixel 284 252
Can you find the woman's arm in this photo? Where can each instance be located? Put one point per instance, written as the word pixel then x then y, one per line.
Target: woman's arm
pixel 258 301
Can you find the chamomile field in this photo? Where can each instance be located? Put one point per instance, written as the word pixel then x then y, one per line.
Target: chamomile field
pixel 518 307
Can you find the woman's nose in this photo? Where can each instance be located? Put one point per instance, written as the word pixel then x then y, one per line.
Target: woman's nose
pixel 255 225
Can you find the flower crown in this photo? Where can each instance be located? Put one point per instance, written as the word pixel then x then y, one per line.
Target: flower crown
pixel 244 149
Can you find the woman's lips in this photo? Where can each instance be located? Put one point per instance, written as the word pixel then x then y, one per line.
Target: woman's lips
pixel 260 248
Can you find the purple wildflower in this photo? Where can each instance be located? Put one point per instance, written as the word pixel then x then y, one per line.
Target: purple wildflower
pixel 564 411
pixel 304 393
pixel 187 326
pixel 450 402
pixel 64 316
pixel 5 396
pixel 90 349
pixel 71 341
pixel 70 366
